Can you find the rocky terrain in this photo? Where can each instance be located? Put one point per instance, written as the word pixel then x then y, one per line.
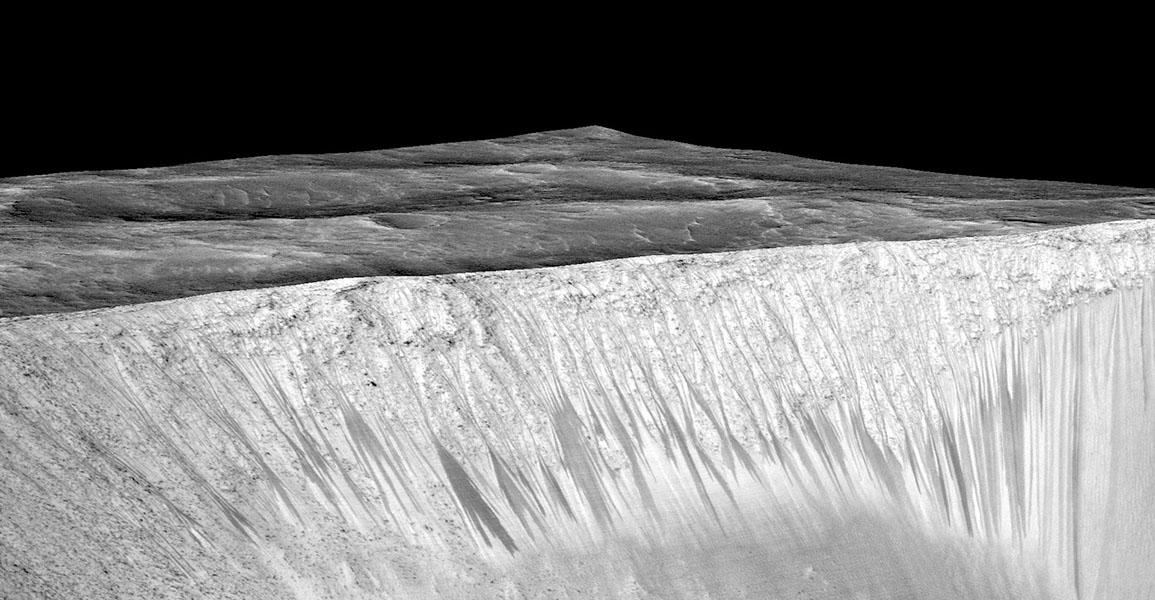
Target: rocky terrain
pixel 959 417
pixel 76 241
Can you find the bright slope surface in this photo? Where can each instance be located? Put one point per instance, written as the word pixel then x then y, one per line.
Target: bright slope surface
pixel 930 419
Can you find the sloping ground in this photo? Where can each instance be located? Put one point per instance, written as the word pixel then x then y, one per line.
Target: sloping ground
pixel 933 419
pixel 76 241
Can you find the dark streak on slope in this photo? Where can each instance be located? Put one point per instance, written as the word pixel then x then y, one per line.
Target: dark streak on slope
pixel 877 455
pixel 480 514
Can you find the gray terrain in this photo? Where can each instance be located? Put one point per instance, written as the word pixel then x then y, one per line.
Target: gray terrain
pixel 586 365
pixel 76 241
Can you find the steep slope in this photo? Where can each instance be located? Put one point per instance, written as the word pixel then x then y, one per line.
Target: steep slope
pixel 932 419
pixel 76 241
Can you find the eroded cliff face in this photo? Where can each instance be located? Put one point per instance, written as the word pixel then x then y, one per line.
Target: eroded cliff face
pixel 966 417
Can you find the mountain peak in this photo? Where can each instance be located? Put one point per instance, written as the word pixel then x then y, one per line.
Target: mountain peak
pixel 597 131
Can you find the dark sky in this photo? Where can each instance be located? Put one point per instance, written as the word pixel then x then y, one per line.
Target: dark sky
pixel 1026 120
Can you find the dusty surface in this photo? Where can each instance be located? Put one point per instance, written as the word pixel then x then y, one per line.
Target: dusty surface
pixel 85 240
pixel 934 419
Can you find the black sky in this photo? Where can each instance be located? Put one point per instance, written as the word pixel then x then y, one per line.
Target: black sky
pixel 1021 119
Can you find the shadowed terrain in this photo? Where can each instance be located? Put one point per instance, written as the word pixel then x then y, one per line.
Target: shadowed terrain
pixel 85 240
